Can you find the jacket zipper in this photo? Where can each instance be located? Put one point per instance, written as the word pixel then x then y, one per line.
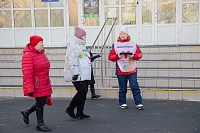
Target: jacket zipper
pixel 46 71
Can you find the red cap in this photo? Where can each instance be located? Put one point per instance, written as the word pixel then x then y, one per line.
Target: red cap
pixel 35 39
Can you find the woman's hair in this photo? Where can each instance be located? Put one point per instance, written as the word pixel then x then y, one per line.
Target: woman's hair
pixel 120 38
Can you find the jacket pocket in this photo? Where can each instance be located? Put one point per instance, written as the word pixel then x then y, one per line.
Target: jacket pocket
pixel 85 66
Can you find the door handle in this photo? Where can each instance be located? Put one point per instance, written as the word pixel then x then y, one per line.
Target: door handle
pixel 157 17
pixel 83 20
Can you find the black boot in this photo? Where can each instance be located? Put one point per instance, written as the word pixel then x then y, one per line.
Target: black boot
pixel 71 113
pixel 27 112
pixel 94 96
pixel 80 114
pixel 41 126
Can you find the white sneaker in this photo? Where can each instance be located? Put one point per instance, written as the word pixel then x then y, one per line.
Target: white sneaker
pixel 140 106
pixel 123 106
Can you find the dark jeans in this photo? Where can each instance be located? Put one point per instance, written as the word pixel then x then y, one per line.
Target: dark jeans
pixel 79 99
pixel 122 80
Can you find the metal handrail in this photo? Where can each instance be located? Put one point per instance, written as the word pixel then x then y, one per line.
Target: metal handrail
pixel 99 34
pixel 102 47
pixel 115 19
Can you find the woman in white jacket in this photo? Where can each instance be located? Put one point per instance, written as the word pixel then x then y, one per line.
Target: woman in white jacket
pixel 78 71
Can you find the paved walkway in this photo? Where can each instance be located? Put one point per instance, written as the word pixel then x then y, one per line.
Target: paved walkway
pixel 159 116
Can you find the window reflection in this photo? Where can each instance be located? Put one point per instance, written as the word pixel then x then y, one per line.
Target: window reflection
pixel 39 4
pixel 190 13
pixel 5 19
pixel 128 15
pixel 146 12
pixel 41 18
pixel 22 18
pixel 56 4
pixel 112 12
pixel 189 0
pixel 166 11
pixel 111 2
pixel 5 4
pixel 73 12
pixel 22 3
pixel 125 2
pixel 57 18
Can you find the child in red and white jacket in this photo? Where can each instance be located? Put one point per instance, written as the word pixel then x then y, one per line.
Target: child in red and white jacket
pixel 124 52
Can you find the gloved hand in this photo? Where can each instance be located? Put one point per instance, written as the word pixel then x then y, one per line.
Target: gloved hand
pixel 94 57
pixel 30 94
pixel 130 56
pixel 75 77
pixel 120 56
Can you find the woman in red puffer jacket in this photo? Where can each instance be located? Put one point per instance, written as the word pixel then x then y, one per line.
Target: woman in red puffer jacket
pixel 36 80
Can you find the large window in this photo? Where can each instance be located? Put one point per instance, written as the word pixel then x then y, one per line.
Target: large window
pixel 5 14
pixel 44 14
pixel 41 18
pixel 146 12
pixel 123 10
pixel 57 18
pixel 22 18
pixel 5 4
pixel 73 12
pixel 190 12
pixel 166 11
pixel 5 19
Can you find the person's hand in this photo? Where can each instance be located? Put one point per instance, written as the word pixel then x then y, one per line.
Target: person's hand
pixel 75 77
pixel 120 56
pixel 130 56
pixel 98 56
pixel 30 94
pixel 94 57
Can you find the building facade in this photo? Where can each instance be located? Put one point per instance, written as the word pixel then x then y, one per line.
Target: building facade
pixel 150 22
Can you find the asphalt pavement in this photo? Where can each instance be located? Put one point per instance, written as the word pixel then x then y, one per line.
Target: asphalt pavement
pixel 158 116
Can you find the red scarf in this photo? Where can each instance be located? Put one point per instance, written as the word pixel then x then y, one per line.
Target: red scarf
pixel 124 40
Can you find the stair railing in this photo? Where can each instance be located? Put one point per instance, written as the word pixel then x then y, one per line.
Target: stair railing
pixel 103 54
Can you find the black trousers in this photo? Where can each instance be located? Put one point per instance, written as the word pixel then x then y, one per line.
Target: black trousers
pixel 79 99
pixel 40 101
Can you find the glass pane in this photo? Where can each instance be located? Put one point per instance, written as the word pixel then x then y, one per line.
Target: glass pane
pixel 5 4
pixel 22 18
pixel 111 2
pixel 73 12
pixel 22 3
pixel 56 4
pixel 190 13
pixel 91 12
pixel 126 2
pixel 128 15
pixel 5 19
pixel 189 0
pixel 41 18
pixel 91 22
pixel 166 11
pixel 39 4
pixel 57 18
pixel 111 12
pixel 146 12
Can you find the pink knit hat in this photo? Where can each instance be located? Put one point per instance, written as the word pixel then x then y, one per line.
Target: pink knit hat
pixel 79 32
pixel 35 39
